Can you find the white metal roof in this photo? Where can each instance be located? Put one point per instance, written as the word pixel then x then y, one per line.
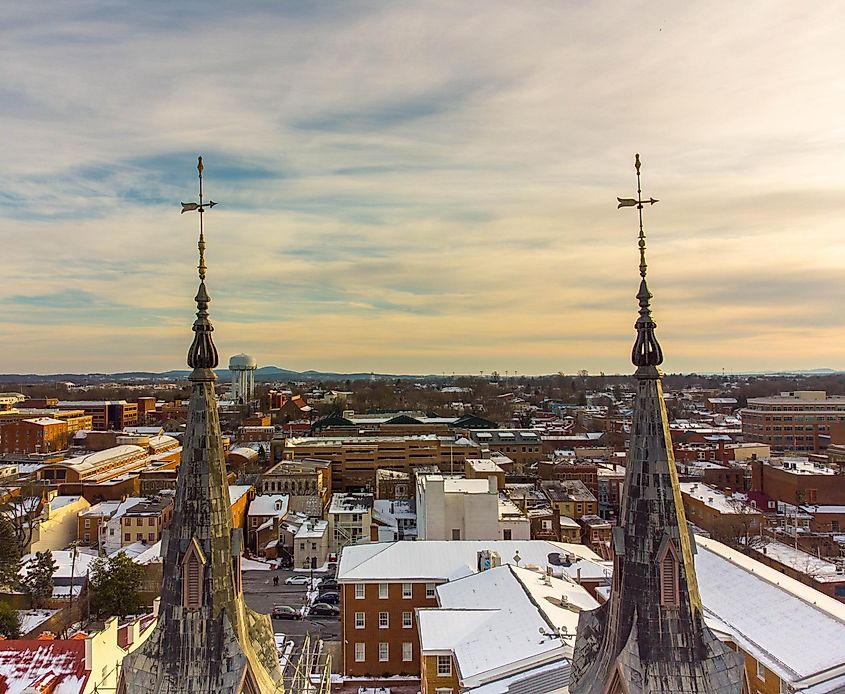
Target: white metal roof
pixel 441 560
pixel 793 629
pixel 490 624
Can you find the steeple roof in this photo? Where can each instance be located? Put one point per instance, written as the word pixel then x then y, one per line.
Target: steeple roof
pixel 207 641
pixel 650 636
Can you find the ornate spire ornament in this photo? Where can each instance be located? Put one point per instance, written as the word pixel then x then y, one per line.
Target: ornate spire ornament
pixel 207 640
pixel 202 354
pixel 650 636
pixel 647 354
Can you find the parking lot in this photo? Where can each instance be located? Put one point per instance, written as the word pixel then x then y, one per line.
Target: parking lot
pixel 261 595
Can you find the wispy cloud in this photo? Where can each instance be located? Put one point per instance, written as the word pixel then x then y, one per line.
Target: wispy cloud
pixel 421 187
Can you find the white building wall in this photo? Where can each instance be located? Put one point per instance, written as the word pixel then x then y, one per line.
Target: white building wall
pixel 520 529
pixel 59 528
pixel 474 515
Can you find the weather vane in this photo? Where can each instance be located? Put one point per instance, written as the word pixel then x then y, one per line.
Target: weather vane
pixel 199 207
pixel 638 203
pixel 647 354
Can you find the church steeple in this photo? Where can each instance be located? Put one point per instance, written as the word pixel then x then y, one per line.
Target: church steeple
pixel 650 637
pixel 207 641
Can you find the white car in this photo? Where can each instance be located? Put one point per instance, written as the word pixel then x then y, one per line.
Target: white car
pixel 297 581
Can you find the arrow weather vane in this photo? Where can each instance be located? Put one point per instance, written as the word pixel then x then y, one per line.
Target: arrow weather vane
pixel 647 354
pixel 199 207
pixel 639 202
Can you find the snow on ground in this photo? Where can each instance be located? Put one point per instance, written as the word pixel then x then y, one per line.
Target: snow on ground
pixel 253 565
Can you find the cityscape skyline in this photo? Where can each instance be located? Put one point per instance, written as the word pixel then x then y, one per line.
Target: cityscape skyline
pixel 380 211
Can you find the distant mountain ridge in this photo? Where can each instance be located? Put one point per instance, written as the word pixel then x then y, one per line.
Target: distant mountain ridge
pixel 262 374
pixel 276 373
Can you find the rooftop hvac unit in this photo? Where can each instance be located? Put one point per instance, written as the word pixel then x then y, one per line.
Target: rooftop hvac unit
pixel 488 559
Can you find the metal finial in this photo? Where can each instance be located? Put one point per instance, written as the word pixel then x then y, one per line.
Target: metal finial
pixel 647 354
pixel 202 353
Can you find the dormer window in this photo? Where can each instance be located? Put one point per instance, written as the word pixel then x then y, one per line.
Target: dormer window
pixel 669 569
pixel 193 569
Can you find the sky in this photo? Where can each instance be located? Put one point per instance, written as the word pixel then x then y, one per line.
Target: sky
pixel 422 187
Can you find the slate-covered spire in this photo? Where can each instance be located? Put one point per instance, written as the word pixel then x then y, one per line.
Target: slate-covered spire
pixel 650 637
pixel 207 641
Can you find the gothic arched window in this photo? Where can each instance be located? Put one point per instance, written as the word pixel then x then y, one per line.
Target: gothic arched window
pixel 669 568
pixel 193 568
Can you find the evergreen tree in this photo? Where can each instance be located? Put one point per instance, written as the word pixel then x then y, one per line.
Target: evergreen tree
pixel 39 577
pixel 115 584
pixel 10 625
pixel 10 555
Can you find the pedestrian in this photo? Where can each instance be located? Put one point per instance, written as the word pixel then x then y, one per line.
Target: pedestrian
pixel 275 580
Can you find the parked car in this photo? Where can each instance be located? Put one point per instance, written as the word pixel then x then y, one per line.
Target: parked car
pixel 285 612
pixel 330 597
pixel 321 608
pixel 328 584
pixel 297 581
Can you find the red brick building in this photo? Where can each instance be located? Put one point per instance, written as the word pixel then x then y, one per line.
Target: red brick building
pixel 793 421
pixel 40 435
pixel 798 481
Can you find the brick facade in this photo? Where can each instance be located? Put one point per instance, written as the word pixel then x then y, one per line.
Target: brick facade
pixel 397 632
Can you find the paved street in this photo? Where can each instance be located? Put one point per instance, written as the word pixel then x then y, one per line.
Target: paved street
pixel 261 595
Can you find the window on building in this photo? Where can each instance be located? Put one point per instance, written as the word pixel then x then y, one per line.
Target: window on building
pixel 383 652
pixel 443 690
pixel 382 591
pixel 360 652
pixel 87 522
pixel 761 672
pixel 407 651
pixel 383 620
pixel 359 620
pixel 359 591
pixel 456 533
pixel 784 688
pixel 86 537
pixel 430 590
pixel 139 537
pixel 839 591
pixel 139 520
pixel 546 525
pixel 407 620
pixel 151 521
pixel 444 666
pixel 407 590
pixel 507 534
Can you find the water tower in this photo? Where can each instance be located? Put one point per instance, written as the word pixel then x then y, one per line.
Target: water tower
pixel 243 368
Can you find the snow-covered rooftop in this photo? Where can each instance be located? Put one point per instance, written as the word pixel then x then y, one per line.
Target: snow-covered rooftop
pixel 792 629
pixel 442 560
pixel 312 530
pixel 27 665
pixel 483 465
pixel 236 491
pixel 715 499
pixel 269 505
pixel 820 569
pixel 492 620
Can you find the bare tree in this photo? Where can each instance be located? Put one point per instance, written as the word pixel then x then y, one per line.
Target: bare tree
pixel 22 512
pixel 743 528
